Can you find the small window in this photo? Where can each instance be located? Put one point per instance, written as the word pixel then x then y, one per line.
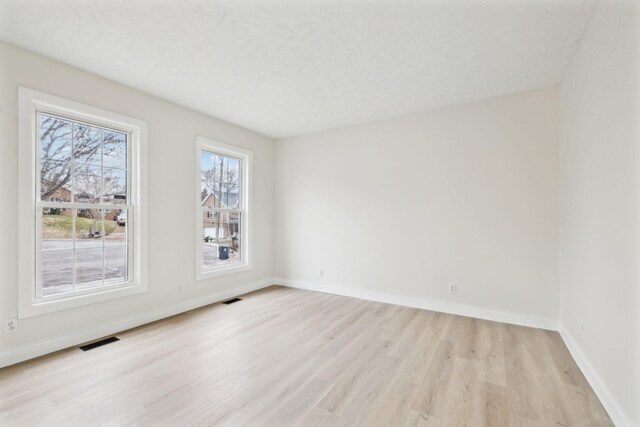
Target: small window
pixel 88 173
pixel 222 220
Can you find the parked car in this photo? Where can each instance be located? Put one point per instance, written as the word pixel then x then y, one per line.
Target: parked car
pixel 121 219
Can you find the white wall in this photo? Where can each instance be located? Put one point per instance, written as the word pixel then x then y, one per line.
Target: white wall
pixel 467 194
pixel 599 164
pixel 172 133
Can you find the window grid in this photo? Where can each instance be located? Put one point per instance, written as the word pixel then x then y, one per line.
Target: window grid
pixel 75 205
pixel 219 183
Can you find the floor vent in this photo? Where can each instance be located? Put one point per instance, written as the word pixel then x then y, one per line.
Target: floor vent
pixel 100 343
pixel 231 301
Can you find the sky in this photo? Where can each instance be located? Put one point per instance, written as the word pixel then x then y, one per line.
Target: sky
pixel 207 161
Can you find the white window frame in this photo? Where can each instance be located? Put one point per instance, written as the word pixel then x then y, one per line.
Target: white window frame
pixel 246 156
pixel 31 103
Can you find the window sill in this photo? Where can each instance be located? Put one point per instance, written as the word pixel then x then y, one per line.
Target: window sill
pixel 31 309
pixel 204 274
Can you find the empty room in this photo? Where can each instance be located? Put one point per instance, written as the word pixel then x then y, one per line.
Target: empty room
pixel 320 213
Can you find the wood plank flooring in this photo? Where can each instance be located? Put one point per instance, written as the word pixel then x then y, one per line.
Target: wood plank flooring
pixel 284 357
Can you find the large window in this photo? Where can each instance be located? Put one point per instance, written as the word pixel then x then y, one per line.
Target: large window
pixel 83 218
pixel 222 211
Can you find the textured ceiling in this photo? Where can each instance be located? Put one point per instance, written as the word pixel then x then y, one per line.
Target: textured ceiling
pixel 285 68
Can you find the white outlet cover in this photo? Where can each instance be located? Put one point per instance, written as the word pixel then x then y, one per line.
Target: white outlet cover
pixel 11 325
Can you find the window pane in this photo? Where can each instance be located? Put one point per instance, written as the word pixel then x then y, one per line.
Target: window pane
pixel 55 139
pixel 220 239
pixel 87 184
pixel 114 148
pixel 57 229
pixel 89 228
pixel 55 180
pixel 115 226
pixel 220 181
pixel 114 186
pixel 233 184
pixel 207 170
pixel 89 267
pixel 57 272
pixel 234 236
pixel 86 145
pixel 209 252
pixel 115 260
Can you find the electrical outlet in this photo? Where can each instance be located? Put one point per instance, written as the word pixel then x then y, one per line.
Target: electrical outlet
pixel 452 288
pixel 321 273
pixel 179 288
pixel 11 325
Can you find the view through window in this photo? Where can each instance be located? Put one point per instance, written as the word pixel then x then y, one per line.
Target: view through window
pixel 222 209
pixel 83 206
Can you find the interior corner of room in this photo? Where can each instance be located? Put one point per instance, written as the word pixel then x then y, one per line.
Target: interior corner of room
pixel 520 207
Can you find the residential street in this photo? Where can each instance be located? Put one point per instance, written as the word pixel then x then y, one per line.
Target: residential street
pixel 58 262
pixel 210 255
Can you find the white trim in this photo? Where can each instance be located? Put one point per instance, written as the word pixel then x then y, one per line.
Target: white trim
pixel 30 102
pixel 427 304
pixel 613 408
pixel 20 354
pixel 246 226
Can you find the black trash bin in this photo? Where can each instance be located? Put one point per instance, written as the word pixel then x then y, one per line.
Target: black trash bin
pixel 223 252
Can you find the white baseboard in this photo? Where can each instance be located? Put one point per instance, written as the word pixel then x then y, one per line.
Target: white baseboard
pixel 19 354
pixel 612 407
pixel 427 304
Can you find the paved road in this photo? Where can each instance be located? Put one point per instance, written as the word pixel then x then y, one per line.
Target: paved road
pixel 58 263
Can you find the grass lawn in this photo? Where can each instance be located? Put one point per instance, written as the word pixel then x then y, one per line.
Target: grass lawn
pixel 60 226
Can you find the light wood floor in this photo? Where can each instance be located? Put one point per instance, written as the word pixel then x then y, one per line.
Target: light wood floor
pixel 288 357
